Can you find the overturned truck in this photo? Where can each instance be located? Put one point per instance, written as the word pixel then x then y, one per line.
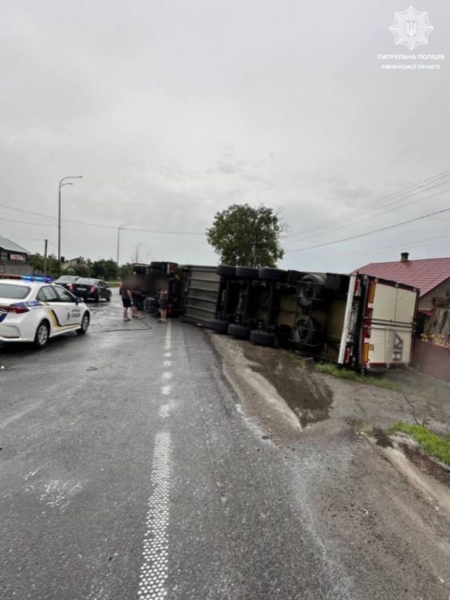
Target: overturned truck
pixel 355 321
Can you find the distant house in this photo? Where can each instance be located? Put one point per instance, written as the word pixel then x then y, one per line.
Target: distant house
pixel 430 275
pixel 13 258
pixel 73 263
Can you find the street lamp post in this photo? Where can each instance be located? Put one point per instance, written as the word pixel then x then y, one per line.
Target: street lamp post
pixel 137 250
pixel 118 247
pixel 61 184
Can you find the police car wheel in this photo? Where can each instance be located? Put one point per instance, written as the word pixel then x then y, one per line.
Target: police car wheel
pixel 84 325
pixel 42 335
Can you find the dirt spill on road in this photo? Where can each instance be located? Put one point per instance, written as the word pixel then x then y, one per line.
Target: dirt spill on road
pixel 305 394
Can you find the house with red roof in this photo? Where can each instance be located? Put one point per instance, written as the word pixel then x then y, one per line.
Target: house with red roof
pixel 430 275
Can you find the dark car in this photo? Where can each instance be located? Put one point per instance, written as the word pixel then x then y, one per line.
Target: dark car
pixel 90 288
pixel 66 280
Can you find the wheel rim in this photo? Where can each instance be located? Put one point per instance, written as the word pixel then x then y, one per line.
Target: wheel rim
pixel 42 335
pixel 85 323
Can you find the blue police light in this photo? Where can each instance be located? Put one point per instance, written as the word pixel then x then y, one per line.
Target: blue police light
pixel 39 279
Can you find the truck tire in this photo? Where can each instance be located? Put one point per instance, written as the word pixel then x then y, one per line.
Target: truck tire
pixel 305 331
pixel 269 274
pixel 226 271
pixel 219 326
pixel 247 272
pixel 239 331
pixel 310 290
pixel 262 338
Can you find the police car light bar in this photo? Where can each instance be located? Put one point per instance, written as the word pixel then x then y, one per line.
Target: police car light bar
pixel 39 279
pixel 28 278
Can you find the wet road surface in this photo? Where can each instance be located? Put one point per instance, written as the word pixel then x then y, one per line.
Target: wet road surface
pixel 129 469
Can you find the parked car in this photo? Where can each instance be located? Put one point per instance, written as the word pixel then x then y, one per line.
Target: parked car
pixel 88 288
pixel 34 310
pixel 65 280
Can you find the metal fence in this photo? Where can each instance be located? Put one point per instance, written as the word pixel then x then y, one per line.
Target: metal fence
pixel 432 360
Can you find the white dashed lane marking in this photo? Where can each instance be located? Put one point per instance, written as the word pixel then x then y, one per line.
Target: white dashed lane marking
pixel 154 570
pixel 168 344
pixel 164 411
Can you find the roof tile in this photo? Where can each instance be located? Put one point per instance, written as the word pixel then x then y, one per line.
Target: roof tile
pixel 424 274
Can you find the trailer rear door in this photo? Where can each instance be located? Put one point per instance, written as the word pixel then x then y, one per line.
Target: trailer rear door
pixel 388 324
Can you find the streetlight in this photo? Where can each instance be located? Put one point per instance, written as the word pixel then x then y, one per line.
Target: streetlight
pixel 61 184
pixel 137 250
pixel 118 247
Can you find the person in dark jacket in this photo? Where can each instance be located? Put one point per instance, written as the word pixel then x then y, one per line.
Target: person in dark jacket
pixel 125 292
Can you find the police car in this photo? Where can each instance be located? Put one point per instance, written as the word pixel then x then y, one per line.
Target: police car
pixel 33 309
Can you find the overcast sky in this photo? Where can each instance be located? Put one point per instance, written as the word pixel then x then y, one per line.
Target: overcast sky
pixel 172 110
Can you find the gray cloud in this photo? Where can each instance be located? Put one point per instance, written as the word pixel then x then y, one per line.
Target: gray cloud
pixel 171 111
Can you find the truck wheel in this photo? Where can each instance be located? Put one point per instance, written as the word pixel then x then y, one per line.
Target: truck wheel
pixel 310 290
pixel 247 272
pixel 226 271
pixel 239 331
pixel 268 274
pixel 305 331
pixel 219 326
pixel 262 338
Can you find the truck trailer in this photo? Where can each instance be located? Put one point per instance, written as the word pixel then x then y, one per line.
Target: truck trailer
pixel 356 321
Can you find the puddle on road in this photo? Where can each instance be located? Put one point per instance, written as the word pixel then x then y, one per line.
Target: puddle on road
pixel 309 398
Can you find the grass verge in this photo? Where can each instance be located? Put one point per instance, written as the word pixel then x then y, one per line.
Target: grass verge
pixel 382 382
pixel 432 443
pixel 112 284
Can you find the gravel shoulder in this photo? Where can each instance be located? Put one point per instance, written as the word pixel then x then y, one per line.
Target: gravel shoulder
pixel 367 505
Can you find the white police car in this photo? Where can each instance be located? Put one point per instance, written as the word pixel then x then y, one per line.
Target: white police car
pixel 32 309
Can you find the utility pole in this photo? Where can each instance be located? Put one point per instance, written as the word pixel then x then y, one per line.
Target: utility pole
pixel 45 257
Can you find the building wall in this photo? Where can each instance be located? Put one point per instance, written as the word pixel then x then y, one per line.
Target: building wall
pixel 15 268
pixel 439 292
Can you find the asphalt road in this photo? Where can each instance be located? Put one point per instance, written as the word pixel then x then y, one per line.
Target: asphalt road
pixel 128 469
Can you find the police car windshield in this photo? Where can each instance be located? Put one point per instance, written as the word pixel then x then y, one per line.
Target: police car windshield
pixel 13 292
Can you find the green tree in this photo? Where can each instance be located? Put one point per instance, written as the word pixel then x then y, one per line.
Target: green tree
pixel 37 261
pixel 126 269
pixel 247 236
pixel 104 269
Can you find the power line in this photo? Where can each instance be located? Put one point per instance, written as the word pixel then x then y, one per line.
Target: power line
pixel 360 235
pixel 381 202
pixel 93 224
pixel 416 243
pixel 384 212
pixel 28 223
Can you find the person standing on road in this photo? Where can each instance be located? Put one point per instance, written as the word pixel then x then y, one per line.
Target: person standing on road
pixel 126 299
pixel 163 303
pixel 136 298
